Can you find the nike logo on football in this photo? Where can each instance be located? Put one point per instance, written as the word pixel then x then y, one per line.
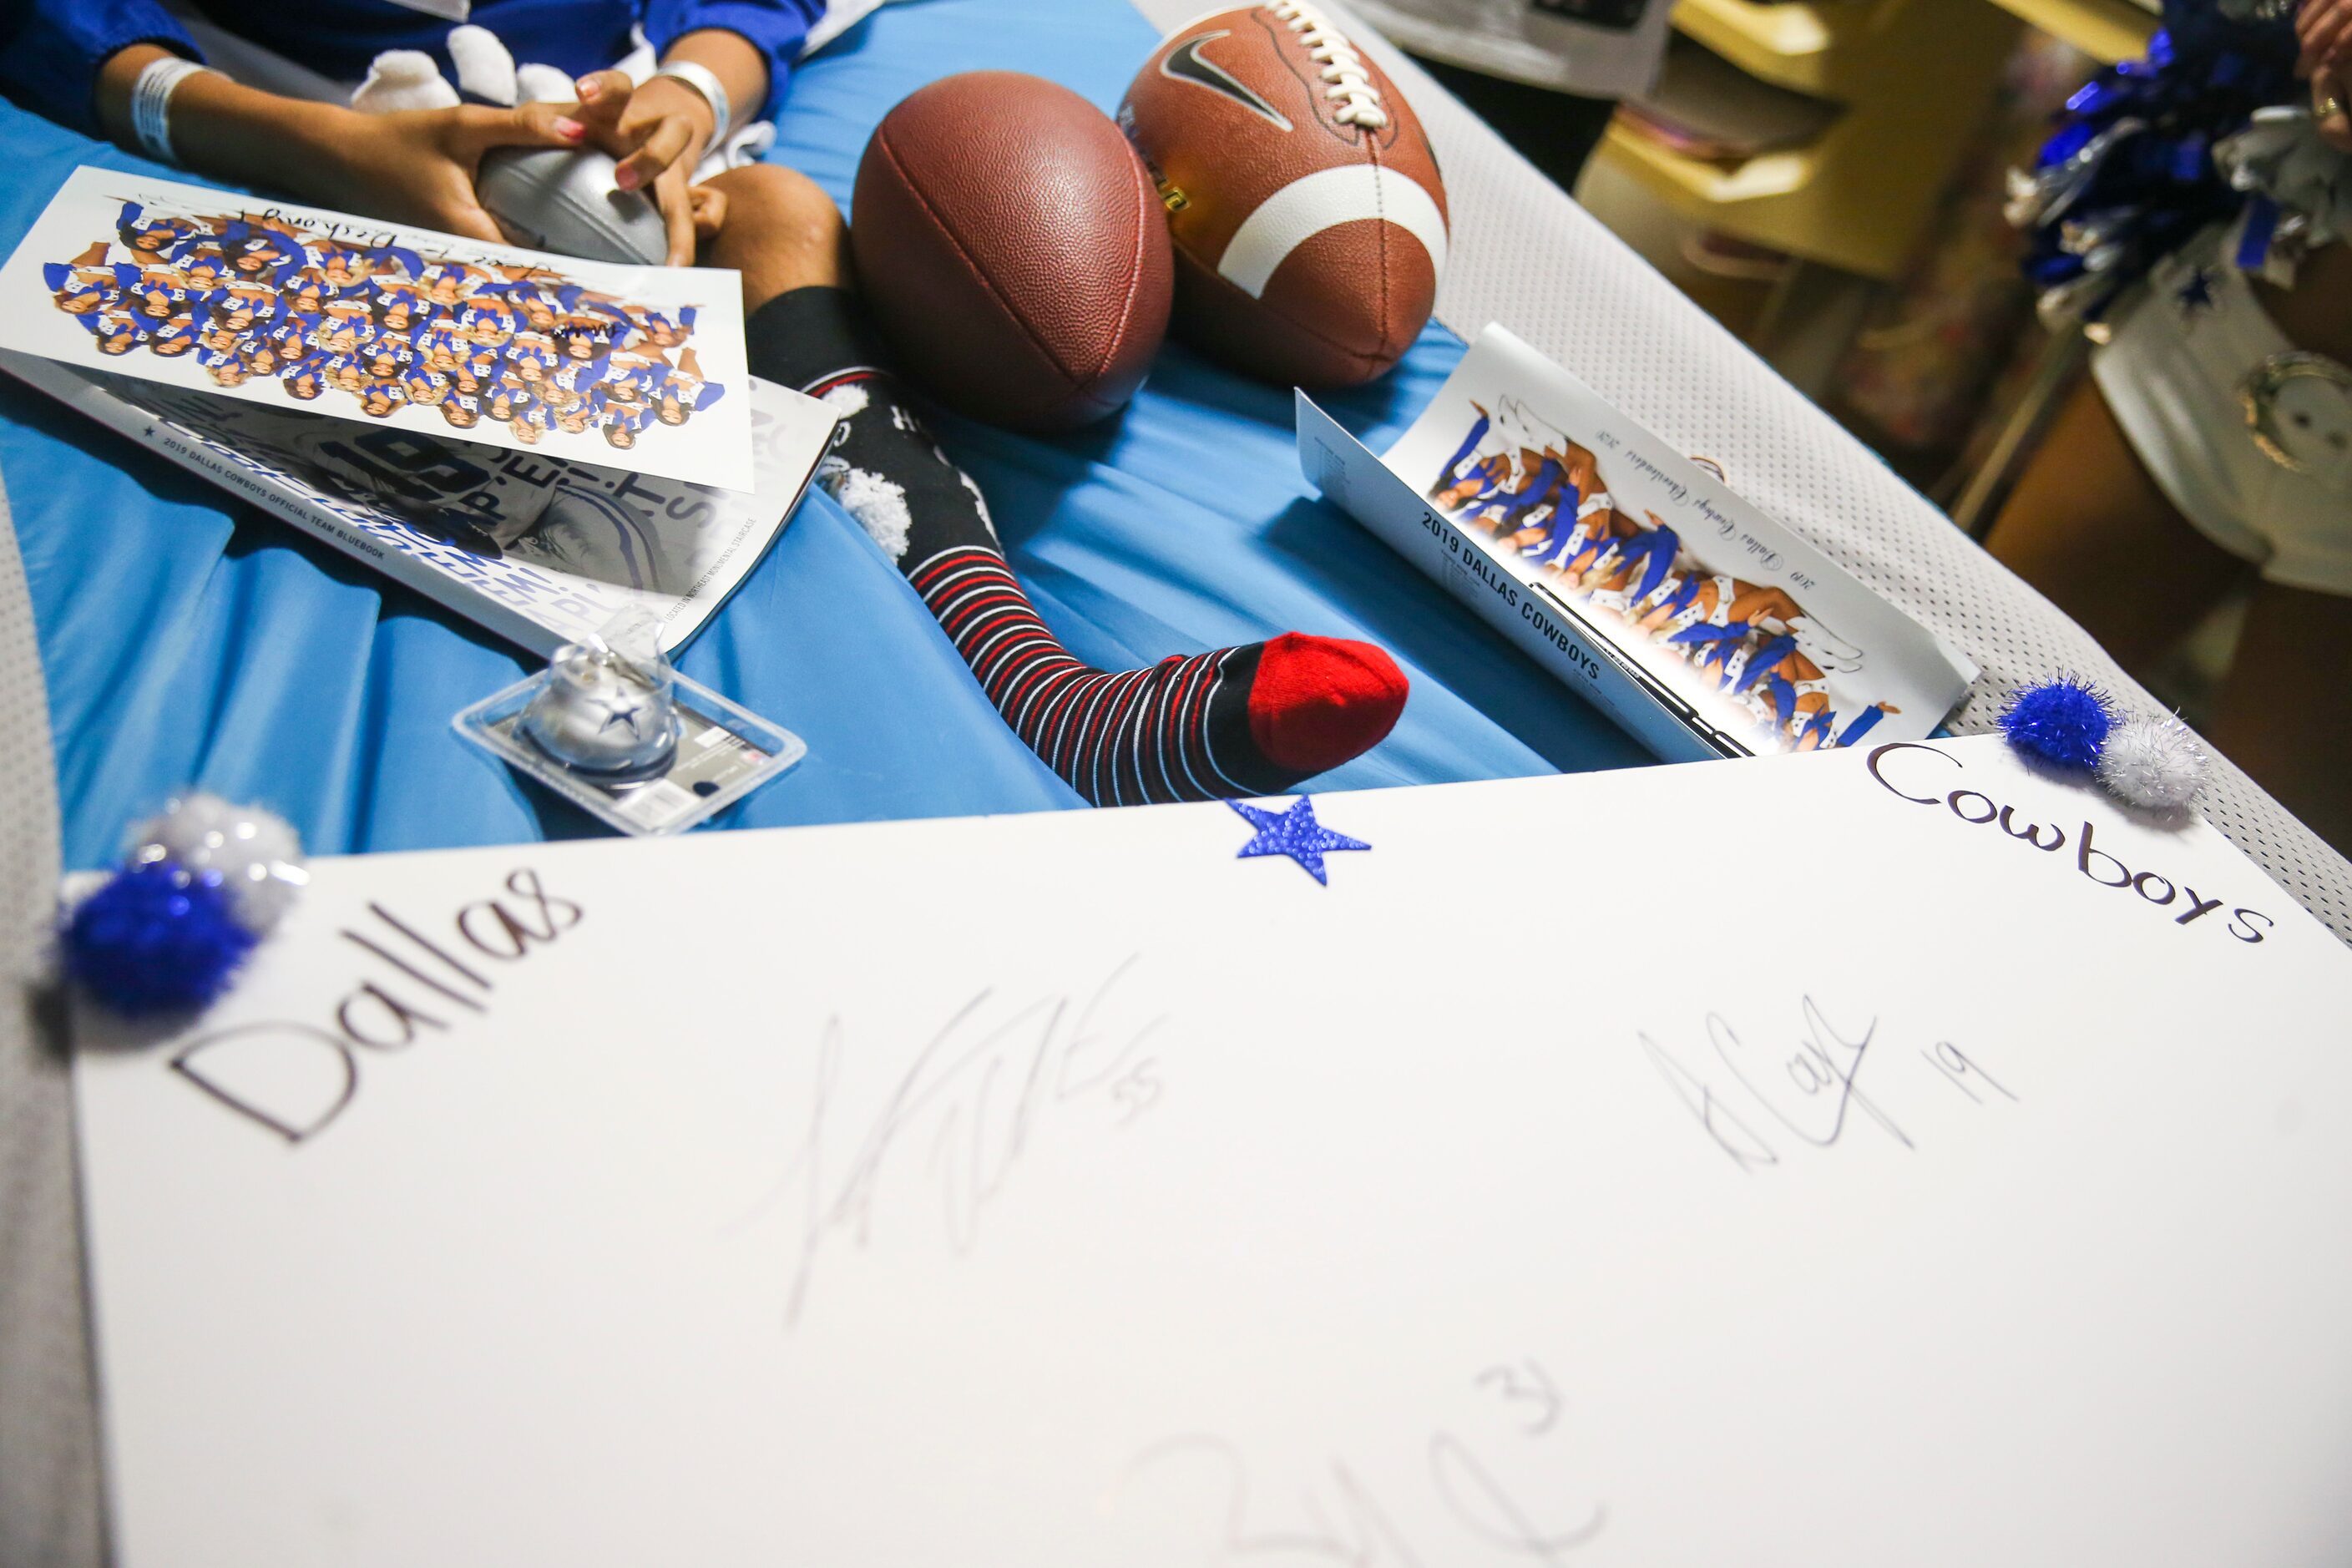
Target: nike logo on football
pixel 1184 64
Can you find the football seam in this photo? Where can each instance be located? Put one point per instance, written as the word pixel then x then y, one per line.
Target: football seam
pixel 987 286
pixel 1380 210
pixel 1284 43
pixel 1146 195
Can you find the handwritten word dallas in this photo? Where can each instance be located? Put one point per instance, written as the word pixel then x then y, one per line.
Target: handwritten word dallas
pixel 295 1076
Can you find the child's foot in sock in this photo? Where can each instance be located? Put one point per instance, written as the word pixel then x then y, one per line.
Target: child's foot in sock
pixel 1254 719
pixel 1242 721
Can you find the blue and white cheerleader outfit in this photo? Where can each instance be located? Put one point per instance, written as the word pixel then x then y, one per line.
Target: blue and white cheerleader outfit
pixel 2174 181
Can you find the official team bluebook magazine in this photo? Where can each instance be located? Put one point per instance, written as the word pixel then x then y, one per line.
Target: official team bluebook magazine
pixel 542 443
pixel 540 551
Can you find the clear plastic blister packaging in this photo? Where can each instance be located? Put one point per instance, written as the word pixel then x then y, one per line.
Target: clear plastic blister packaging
pixel 611 726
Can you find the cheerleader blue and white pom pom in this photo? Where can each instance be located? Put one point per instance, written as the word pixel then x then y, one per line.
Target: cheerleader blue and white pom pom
pixel 2063 722
pixel 2155 761
pixel 2151 761
pixel 2148 153
pixel 168 930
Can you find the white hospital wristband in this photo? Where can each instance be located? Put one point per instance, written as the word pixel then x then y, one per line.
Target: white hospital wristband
pixel 704 80
pixel 151 104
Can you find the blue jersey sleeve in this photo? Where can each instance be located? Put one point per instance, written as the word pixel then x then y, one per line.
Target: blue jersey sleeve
pixel 774 28
pixel 51 51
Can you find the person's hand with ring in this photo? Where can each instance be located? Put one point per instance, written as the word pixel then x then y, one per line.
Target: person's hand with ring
pixel 2324 29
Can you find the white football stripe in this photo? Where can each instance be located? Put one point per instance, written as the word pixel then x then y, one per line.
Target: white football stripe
pixel 1309 206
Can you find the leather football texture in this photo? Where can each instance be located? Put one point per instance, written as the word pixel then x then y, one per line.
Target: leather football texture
pixel 1013 249
pixel 1308 216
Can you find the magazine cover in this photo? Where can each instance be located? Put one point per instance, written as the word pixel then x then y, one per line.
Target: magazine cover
pixel 1700 624
pixel 640 368
pixel 540 551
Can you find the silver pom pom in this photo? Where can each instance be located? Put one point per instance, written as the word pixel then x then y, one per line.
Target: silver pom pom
pixel 2157 762
pixel 256 854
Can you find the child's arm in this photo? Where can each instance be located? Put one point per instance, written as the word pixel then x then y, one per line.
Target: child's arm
pixel 769 32
pixel 413 167
pixel 51 51
pixel 661 130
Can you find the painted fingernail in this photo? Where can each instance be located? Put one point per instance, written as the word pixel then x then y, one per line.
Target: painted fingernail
pixel 627 178
pixel 570 130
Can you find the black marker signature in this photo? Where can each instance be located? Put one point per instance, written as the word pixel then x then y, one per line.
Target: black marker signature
pixel 1481 1505
pixel 1959 1071
pixel 1722 1123
pixel 1815 1094
pixel 1527 1382
pixel 1339 1520
pixel 1821 1069
pixel 977 1088
pixel 1812 1094
pixel 1362 1535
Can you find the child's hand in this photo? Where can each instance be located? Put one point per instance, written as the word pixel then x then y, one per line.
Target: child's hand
pixel 417 166
pixel 2329 111
pixel 659 131
pixel 2323 28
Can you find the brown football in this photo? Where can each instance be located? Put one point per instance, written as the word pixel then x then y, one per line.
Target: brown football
pixel 1012 248
pixel 1305 202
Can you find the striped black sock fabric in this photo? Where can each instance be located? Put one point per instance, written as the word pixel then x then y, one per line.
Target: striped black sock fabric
pixel 1178 730
pixel 1252 720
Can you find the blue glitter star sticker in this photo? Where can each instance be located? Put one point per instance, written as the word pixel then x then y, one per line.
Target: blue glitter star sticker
pixel 1295 833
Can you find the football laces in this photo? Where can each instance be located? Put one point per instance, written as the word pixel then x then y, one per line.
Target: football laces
pixel 1343 69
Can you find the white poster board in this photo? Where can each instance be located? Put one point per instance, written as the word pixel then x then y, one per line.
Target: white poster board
pixel 639 368
pixel 1765 1162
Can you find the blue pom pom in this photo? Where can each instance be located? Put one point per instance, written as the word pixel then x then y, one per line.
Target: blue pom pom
pixel 154 940
pixel 2061 721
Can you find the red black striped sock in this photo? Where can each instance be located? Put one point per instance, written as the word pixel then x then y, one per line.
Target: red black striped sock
pixel 1254 719
pixel 1245 720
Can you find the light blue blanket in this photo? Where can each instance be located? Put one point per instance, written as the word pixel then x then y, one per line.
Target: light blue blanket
pixel 191 639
